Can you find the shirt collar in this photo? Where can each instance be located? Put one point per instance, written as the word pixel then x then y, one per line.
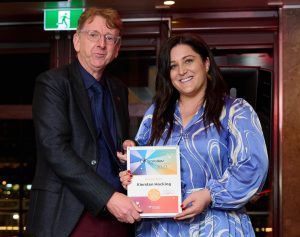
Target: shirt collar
pixel 88 79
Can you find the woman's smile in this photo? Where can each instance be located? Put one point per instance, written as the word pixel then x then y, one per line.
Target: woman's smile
pixel 186 79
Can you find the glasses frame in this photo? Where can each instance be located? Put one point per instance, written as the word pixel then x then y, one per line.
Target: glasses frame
pixel 107 37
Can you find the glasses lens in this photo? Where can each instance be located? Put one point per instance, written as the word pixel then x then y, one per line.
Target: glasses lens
pixel 96 36
pixel 93 35
pixel 110 39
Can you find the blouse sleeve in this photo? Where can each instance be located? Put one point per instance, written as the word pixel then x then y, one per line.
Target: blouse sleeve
pixel 143 135
pixel 248 160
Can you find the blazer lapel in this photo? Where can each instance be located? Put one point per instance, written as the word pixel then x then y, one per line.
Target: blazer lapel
pixel 82 99
pixel 116 100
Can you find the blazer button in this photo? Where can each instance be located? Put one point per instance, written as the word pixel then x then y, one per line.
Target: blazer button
pixel 93 162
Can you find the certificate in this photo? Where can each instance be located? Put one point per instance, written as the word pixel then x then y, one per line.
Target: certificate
pixel 156 185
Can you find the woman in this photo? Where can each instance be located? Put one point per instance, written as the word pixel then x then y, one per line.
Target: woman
pixel 222 149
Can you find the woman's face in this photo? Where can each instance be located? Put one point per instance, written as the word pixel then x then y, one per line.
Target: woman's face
pixel 188 72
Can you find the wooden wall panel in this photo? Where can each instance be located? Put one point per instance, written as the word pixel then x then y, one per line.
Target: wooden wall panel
pixel 290 145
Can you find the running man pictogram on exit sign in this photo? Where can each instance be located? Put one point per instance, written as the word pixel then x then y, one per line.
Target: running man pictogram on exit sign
pixel 61 19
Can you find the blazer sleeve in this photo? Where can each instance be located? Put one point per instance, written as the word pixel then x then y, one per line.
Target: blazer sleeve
pixel 64 144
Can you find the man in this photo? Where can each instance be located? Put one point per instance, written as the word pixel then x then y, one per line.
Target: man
pixel 79 129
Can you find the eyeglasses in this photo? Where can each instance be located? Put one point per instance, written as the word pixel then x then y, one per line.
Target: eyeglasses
pixel 95 36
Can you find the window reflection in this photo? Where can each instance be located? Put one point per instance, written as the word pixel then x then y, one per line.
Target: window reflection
pixel 14 201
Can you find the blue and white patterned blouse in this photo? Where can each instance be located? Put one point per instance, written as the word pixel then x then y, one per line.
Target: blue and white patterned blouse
pixel 232 165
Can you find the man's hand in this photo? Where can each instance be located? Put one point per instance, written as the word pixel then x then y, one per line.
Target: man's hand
pixel 123 208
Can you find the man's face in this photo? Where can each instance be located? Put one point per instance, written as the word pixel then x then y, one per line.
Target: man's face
pixel 94 53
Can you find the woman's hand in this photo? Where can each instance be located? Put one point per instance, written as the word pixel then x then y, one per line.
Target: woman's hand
pixel 125 178
pixel 198 200
pixel 122 155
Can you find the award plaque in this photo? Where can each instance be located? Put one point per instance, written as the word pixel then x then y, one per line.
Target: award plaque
pixel 156 184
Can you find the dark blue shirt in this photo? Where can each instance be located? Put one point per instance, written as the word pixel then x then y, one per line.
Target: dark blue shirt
pixel 107 167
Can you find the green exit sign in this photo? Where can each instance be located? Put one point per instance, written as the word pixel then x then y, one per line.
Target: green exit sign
pixel 61 19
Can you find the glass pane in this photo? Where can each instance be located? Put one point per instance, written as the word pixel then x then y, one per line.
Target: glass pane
pixel 260 62
pixel 17 85
pixel 9 224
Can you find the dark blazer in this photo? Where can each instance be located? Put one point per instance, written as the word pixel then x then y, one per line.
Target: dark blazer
pixel 65 181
